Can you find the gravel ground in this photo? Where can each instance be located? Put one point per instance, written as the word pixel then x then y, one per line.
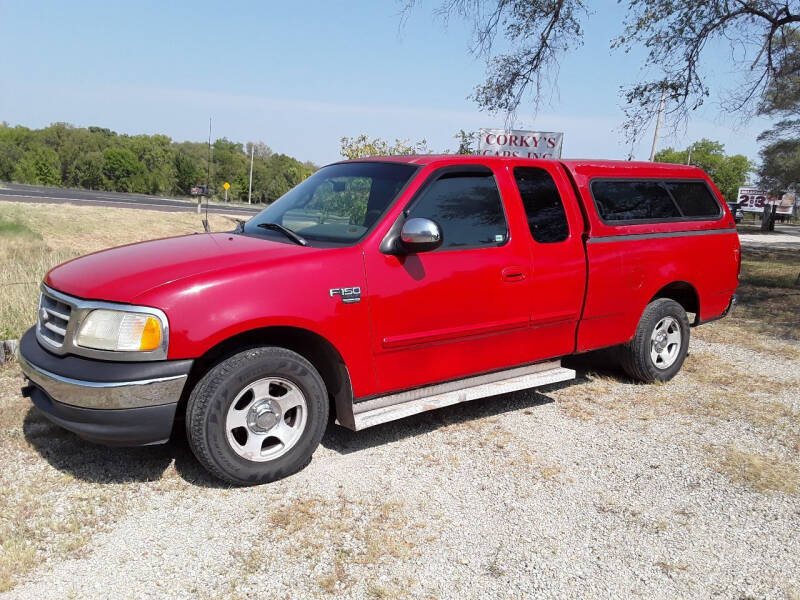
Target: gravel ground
pixel 583 490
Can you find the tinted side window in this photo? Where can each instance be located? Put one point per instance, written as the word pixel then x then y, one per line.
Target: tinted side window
pixel 633 201
pixel 467 207
pixel 543 205
pixel 693 198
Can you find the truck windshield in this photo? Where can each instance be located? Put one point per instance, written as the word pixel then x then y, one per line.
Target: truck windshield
pixel 339 203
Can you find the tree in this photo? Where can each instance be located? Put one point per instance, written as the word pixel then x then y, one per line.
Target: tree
pixel 362 146
pixel 10 154
pixel 466 142
pixel 39 166
pixel 729 172
pixel 676 35
pixel 187 172
pixel 156 156
pixel 88 172
pixel 121 169
pixel 779 156
pixel 780 164
pixel 98 158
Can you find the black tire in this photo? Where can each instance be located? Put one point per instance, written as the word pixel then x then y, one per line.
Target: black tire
pixel 213 395
pixel 636 357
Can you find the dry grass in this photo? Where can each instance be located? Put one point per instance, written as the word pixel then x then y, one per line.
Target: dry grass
pixel 36 237
pixel 351 534
pixel 712 391
pixel 761 472
pixel 753 334
pixel 57 492
pixel 43 512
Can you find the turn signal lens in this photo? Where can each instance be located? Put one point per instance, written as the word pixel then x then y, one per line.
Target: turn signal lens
pixel 151 335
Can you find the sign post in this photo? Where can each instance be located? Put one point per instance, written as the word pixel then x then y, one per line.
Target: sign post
pixel 226 186
pixel 520 143
pixel 199 191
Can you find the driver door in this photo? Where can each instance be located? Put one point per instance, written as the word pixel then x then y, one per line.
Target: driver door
pixel 462 309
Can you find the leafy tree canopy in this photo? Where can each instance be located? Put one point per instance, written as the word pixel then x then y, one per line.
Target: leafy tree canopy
pixel 100 159
pixel 780 156
pixel 364 146
pixel 676 35
pixel 729 172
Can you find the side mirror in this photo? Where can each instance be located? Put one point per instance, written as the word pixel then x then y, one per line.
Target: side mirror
pixel 421 235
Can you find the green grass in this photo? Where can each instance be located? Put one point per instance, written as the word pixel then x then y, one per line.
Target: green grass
pixel 770 268
pixel 10 228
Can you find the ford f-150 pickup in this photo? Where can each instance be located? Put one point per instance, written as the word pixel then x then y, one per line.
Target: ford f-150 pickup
pixel 376 289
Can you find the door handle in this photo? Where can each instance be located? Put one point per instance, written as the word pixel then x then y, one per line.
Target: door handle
pixel 513 274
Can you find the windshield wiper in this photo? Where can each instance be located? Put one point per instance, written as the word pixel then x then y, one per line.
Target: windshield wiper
pixel 285 231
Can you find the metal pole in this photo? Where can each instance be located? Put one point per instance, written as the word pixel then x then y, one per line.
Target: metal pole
pixel 208 173
pixel 658 123
pixel 208 189
pixel 250 189
pixel 689 159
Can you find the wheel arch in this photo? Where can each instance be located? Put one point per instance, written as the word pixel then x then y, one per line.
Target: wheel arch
pixel 684 293
pixel 319 351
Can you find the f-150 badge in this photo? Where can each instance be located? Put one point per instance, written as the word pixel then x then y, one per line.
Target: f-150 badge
pixel 349 294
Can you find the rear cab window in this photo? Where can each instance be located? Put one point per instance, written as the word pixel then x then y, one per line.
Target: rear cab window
pixel 543 205
pixel 631 201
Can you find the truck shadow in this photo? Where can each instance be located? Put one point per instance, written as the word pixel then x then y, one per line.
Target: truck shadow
pixel 344 441
pixel 94 463
pixel 101 464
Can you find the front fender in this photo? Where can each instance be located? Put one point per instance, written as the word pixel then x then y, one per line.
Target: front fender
pixel 212 307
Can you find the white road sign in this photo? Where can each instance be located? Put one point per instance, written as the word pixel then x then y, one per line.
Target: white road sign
pixel 520 143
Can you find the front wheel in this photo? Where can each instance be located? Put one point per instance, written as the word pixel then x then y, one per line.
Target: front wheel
pixel 257 416
pixel 659 347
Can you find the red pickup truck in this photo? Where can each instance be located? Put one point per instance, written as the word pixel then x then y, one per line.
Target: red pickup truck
pixel 377 289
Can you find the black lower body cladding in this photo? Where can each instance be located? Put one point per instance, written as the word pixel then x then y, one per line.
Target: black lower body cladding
pixel 117 427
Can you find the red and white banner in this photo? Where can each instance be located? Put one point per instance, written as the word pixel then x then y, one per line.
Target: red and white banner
pixel 754 200
pixel 520 143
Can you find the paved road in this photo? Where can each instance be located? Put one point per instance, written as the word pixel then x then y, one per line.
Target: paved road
pixel 14 192
pixel 785 237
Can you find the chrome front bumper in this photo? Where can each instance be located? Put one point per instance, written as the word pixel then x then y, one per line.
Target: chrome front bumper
pixel 98 384
pixel 105 395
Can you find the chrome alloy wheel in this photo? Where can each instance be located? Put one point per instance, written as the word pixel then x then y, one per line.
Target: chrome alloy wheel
pixel 266 419
pixel 665 343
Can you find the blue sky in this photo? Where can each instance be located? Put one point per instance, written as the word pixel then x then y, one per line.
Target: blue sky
pixel 300 75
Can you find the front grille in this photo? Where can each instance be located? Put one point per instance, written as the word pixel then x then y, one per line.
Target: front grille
pixel 53 319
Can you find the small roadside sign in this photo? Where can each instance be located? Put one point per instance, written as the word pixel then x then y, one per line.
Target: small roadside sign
pixel 227 186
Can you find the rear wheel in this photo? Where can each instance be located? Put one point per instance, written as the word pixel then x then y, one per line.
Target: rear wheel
pixel 257 416
pixel 659 347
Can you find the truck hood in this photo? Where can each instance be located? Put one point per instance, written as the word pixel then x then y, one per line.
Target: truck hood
pixel 121 274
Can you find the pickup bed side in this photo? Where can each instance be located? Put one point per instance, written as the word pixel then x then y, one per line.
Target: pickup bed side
pixel 692 261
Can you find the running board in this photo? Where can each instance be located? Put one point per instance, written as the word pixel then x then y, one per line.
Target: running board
pixel 404 404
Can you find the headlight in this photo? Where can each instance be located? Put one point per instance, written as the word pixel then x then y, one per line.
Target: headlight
pixel 120 331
